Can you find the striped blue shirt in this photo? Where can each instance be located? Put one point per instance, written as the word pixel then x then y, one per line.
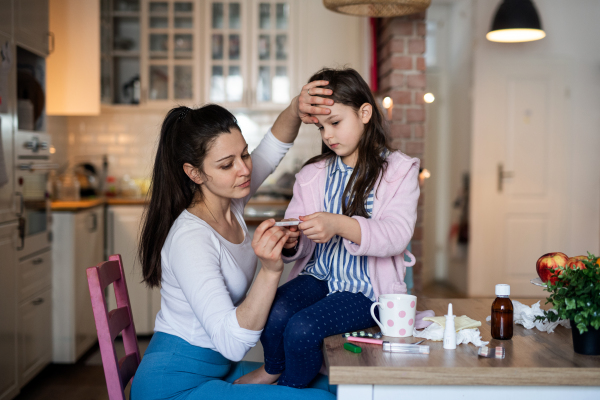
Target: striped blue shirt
pixel 331 261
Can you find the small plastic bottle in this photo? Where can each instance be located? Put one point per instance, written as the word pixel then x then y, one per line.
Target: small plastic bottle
pixel 502 314
pixel 450 330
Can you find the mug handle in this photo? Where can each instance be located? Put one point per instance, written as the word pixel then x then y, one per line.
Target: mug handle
pixel 373 314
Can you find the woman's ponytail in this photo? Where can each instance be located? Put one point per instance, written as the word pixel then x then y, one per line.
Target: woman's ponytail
pixel 185 137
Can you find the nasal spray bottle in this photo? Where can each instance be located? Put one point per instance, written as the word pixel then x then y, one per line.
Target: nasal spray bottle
pixel 450 331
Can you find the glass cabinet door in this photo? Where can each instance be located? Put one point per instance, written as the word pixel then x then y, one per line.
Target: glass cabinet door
pixel 225 51
pixel 171 39
pixel 272 55
pixel 120 51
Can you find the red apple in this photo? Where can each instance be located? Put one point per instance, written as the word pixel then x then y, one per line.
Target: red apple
pixel 575 262
pixel 547 263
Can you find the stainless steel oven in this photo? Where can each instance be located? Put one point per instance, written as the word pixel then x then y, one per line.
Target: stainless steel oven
pixel 32 158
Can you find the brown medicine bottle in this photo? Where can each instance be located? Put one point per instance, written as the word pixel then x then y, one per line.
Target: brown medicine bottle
pixel 502 314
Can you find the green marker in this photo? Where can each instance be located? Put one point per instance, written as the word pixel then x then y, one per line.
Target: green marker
pixel 351 347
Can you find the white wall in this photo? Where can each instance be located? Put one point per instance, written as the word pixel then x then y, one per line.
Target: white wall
pixel 572 36
pixel 447 147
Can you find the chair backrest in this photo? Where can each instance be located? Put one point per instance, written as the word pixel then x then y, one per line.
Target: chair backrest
pixel 118 373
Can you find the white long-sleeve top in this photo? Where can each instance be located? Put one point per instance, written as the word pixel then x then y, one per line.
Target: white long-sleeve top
pixel 205 277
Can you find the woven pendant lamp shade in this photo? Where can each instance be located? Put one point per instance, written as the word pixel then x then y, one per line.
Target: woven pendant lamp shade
pixel 377 8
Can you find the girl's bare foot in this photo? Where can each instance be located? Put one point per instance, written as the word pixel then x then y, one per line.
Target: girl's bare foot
pixel 258 376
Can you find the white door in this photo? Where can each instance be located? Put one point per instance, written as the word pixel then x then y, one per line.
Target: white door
pixel 520 170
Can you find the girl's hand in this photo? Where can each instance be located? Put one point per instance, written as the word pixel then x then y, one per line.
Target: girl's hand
pixel 319 227
pixel 267 244
pixel 306 109
pixel 294 234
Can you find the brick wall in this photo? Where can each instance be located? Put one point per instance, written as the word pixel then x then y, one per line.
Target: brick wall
pixel 401 72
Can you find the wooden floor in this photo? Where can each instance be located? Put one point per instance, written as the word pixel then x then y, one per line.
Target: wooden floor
pixel 441 290
pixel 83 380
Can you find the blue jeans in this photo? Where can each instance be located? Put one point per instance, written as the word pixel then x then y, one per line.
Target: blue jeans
pixel 302 316
pixel 174 369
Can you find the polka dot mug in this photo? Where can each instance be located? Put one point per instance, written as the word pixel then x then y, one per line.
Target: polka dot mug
pixel 397 313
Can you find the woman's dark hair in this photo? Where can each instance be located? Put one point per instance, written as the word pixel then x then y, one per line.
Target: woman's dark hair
pixel 350 89
pixel 185 137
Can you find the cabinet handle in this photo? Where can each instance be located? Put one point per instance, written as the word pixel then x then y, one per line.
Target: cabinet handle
pixel 52 47
pixel 21 229
pixel 94 222
pixel 37 301
pixel 111 232
pixel 37 261
pixel 20 212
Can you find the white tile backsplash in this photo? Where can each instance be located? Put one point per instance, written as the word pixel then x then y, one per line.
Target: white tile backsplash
pixel 129 137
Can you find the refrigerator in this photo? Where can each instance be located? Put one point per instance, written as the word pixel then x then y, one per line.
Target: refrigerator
pixel 8 220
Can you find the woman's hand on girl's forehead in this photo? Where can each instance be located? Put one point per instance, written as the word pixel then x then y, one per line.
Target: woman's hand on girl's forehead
pixel 308 101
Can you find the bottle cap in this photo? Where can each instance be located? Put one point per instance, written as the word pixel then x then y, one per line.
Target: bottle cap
pixel 502 290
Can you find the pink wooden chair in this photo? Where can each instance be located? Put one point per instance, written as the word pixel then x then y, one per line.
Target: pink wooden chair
pixel 118 373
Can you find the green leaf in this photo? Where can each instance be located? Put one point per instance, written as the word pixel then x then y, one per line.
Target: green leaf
pixel 582 328
pixel 570 304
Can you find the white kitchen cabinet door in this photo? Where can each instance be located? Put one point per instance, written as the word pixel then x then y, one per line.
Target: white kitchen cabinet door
pixel 8 312
pixel 78 245
pixel 89 236
pixel 35 336
pixel 75 63
pixel 6 15
pixel 124 224
pixel 31 25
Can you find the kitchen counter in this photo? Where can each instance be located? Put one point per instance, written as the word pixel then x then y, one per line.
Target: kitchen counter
pixel 76 205
pixel 533 358
pixel 256 211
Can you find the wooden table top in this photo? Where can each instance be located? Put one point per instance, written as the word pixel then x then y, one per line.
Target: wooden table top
pixel 532 357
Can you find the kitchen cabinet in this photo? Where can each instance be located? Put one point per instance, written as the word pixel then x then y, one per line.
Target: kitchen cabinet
pixel 78 245
pixel 34 282
pixel 35 335
pixel 6 23
pixel 250 61
pixel 8 312
pixel 75 62
pixel 150 52
pixel 31 26
pixel 237 53
pixel 123 229
pixel 7 123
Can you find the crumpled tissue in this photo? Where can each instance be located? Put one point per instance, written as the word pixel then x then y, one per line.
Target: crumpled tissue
pixel 435 332
pixel 525 315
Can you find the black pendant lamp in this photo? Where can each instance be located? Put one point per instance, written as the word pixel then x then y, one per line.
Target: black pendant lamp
pixel 516 21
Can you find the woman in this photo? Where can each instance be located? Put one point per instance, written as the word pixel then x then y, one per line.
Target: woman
pixel 195 246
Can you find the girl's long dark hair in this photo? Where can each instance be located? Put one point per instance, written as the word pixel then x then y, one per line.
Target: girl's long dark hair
pixel 185 137
pixel 350 89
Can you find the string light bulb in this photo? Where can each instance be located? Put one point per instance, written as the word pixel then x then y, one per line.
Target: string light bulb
pixel 388 104
pixel 428 98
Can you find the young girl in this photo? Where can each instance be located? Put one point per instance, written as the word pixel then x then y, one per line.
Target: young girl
pixel 358 205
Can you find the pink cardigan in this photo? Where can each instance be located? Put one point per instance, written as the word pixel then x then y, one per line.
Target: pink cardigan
pixel 384 236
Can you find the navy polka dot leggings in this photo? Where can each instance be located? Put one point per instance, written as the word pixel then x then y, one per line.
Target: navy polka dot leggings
pixel 302 316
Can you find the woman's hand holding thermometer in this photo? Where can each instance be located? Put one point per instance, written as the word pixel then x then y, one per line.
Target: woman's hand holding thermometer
pixel 287 223
pixel 291 224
